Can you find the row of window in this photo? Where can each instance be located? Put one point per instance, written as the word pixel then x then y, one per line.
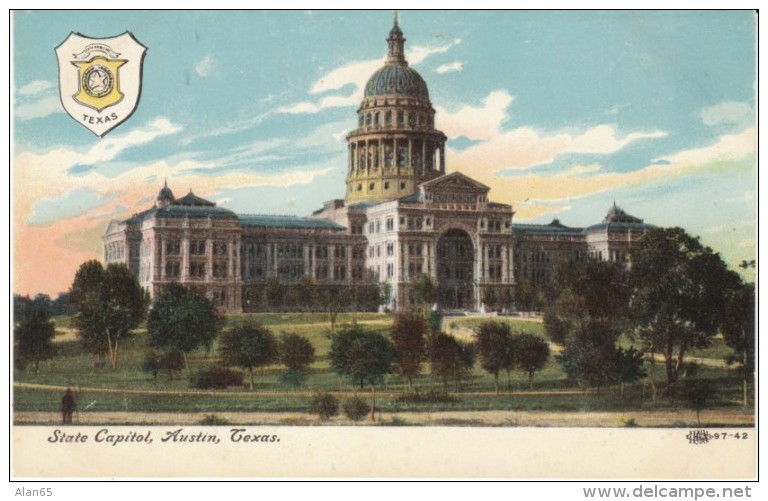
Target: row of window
pixel 387 185
pixel 400 117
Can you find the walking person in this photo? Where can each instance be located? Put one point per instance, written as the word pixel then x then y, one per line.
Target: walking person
pixel 68 406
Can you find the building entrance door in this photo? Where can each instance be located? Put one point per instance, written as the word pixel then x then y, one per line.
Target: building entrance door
pixel 455 270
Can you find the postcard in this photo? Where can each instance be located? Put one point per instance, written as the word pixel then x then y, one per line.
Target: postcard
pixel 512 245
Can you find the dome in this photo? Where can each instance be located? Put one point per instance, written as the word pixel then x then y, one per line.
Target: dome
pixel 396 79
pixel 165 196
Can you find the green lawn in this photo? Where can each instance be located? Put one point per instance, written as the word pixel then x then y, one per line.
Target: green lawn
pixel 73 367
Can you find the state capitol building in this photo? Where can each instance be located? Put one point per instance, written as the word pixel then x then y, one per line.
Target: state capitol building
pixel 402 217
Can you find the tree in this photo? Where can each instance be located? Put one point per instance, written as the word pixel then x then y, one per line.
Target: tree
pixel 109 303
pixel 450 358
pixel 325 405
pixel 699 393
pixel 679 291
pixel 590 356
pixel 308 294
pixel 274 293
pixel 493 345
pixel 629 366
pixel 356 408
pixel 247 346
pixel 34 339
pixel 530 353
pixel 296 353
pixel 182 320
pixel 364 356
pixel 739 332
pixel 408 332
pixel 424 289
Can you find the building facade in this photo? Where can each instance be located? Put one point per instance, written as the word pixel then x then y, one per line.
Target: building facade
pixel 403 218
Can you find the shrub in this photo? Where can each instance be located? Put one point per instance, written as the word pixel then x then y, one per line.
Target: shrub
pixel 324 405
pixel 356 409
pixel 216 377
pixel 213 420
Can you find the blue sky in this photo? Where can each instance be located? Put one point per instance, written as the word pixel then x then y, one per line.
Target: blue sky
pixel 560 112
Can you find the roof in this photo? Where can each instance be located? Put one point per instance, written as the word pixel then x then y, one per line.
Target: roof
pixel 553 228
pixel 278 221
pixel 621 226
pixel 193 200
pixel 396 79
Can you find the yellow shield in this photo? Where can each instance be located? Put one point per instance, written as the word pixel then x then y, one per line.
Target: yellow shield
pixel 99 82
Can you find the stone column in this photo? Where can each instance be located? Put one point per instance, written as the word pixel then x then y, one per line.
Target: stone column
pixel 162 259
pixel 209 259
pixel 185 257
pixel 442 158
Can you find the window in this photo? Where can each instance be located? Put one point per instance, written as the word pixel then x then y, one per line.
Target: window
pixel 390 270
pixel 197 269
pixel 172 269
pixel 173 247
pixel 339 252
pixel 321 252
pixel 386 185
pixel 219 270
pixel 339 273
pixel 219 248
pixel 390 249
pixel 390 224
pixel 402 185
pixel 371 186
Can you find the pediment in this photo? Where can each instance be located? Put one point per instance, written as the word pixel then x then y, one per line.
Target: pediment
pixel 455 181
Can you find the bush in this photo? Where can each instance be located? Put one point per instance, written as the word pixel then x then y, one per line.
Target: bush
pixel 216 378
pixel 356 409
pixel 213 420
pixel 324 405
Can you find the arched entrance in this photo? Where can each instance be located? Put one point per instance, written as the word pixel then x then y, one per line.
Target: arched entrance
pixel 455 270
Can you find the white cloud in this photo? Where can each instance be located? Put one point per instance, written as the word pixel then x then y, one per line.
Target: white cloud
pixel 206 66
pixel 450 67
pixel 39 109
pixel 728 112
pixel 35 87
pixel 354 75
pixel 418 53
pixel 525 146
pixel 475 123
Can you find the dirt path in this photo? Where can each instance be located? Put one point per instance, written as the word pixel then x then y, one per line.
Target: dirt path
pixel 684 419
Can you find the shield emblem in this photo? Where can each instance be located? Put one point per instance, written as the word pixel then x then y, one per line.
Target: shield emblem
pixel 100 79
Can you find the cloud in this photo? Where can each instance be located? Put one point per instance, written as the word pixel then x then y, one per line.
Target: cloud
pixel 230 128
pixel 476 123
pixel 206 66
pixel 354 76
pixel 523 147
pixel 73 203
pixel 728 112
pixel 450 67
pixel 39 109
pixel 727 151
pixel 418 53
pixel 35 87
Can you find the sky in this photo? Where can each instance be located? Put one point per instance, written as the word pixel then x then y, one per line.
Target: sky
pixel 561 113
